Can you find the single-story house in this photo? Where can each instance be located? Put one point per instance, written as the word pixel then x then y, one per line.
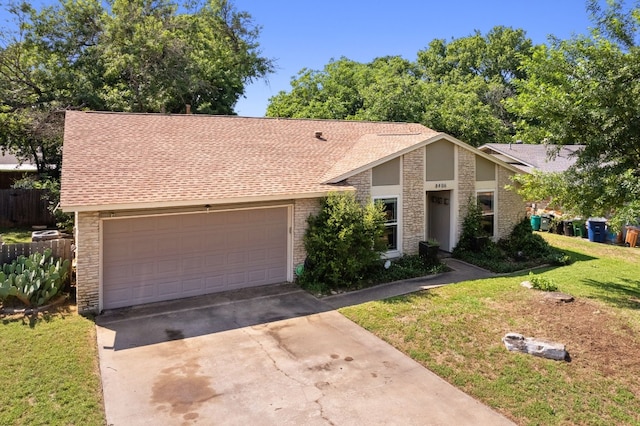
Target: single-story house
pixel 172 206
pixel 12 169
pixel 546 158
pixel 530 157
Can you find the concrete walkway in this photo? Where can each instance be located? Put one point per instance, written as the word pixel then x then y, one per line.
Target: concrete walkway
pixel 271 356
pixel 460 271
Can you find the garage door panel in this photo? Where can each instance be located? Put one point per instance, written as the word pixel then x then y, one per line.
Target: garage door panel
pixel 234 259
pixel 185 255
pixel 171 266
pixel 215 261
pixel 142 293
pixel 194 286
pixel 192 263
pixel 143 269
pixel 215 283
pixel 169 288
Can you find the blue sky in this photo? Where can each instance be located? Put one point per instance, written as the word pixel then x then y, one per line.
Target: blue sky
pixel 307 35
pixel 299 34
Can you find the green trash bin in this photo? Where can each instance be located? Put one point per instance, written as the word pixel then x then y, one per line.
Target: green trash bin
pixel 545 222
pixel 535 222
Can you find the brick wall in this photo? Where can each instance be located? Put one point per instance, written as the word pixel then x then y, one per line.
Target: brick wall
pixel 87 262
pixel 302 209
pixel 362 183
pixel 466 185
pixel 511 208
pixel 413 200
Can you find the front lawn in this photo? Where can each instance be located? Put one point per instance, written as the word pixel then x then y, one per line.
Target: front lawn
pixel 49 370
pixel 456 332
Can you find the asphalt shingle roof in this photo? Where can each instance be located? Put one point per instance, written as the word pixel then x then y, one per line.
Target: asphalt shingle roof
pixel 118 159
pixel 536 156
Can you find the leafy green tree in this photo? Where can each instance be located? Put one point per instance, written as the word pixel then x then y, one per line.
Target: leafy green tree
pixel 332 93
pixel 122 55
pixel 587 90
pixel 468 80
pixel 457 87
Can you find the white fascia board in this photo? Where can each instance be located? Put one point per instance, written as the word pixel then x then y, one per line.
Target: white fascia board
pixel 202 202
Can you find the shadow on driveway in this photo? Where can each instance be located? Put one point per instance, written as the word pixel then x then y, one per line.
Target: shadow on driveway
pixel 197 316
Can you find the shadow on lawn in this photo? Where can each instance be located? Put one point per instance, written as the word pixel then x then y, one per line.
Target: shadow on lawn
pixel 35 318
pixel 577 257
pixel 623 294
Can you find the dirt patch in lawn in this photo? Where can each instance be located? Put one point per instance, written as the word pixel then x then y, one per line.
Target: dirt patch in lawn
pixel 596 339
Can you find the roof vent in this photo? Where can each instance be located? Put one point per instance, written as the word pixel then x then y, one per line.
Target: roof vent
pixel 318 135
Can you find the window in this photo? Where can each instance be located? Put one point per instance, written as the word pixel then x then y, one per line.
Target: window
pixel 391 223
pixel 485 201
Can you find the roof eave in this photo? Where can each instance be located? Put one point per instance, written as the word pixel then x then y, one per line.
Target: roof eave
pixel 79 208
pixel 520 160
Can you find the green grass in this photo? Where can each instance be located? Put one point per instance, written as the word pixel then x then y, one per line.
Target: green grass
pixel 15 235
pixel 48 371
pixel 456 332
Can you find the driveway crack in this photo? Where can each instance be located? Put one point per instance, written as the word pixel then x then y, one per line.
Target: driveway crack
pixel 273 360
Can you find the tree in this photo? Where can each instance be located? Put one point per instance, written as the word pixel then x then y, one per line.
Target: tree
pixel 123 55
pixel 586 90
pixel 457 87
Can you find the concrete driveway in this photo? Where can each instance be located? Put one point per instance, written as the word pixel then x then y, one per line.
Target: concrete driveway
pixel 280 357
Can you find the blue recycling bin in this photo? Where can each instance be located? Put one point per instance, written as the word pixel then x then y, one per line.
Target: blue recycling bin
pixel 597 231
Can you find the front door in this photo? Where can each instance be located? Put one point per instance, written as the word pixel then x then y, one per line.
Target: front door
pixel 439 218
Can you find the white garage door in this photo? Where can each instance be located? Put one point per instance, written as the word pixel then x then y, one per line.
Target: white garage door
pixel 168 257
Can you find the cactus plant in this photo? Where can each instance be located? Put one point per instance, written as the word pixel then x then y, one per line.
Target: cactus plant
pixel 33 280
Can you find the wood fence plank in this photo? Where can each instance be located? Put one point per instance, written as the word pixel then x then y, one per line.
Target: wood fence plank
pixel 61 248
pixel 24 207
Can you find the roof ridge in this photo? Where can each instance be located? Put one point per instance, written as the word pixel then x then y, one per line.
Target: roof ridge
pixel 325 120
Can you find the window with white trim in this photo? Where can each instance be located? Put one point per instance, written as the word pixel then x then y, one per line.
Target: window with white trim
pixel 486 202
pixel 391 223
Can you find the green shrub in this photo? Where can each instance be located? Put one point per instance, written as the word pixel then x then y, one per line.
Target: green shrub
pixel 523 243
pixel 33 280
pixel 343 243
pixel 540 282
pixel 522 249
pixel 409 266
pixel 471 230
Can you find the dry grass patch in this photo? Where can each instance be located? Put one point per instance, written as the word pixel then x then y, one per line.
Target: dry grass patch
pixel 456 332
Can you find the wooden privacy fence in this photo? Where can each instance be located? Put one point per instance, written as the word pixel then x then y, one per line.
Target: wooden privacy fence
pixel 60 248
pixel 24 207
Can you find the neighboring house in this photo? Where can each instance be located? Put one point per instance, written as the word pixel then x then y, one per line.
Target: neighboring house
pixel 171 206
pixel 530 157
pixel 545 158
pixel 12 169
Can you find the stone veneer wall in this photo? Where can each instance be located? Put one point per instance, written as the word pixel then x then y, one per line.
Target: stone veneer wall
pixel 88 262
pixel 302 209
pixel 511 207
pixel 362 183
pixel 413 201
pixel 466 185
